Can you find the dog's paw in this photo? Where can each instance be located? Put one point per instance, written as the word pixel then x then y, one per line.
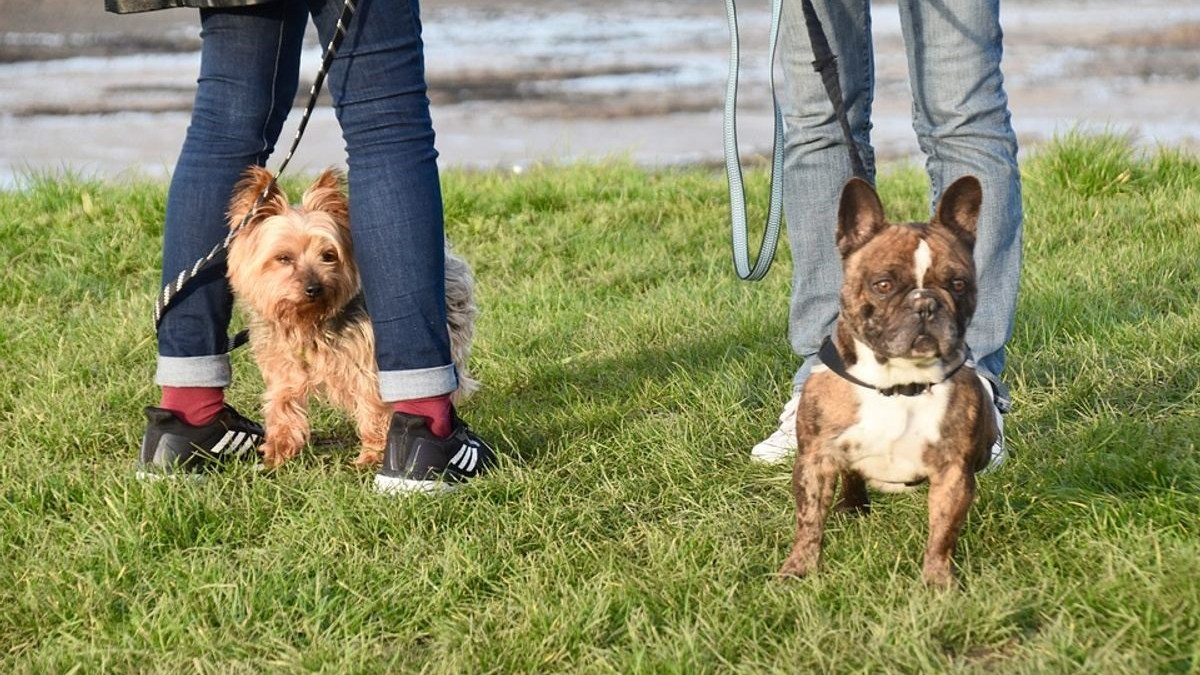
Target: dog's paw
pixel 793 569
pixel 369 458
pixel 276 455
pixel 939 577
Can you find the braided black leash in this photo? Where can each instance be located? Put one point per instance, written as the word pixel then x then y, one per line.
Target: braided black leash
pixel 172 290
pixel 825 63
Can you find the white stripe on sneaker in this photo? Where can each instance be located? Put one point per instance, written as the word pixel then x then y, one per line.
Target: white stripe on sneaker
pixel 234 444
pixel 466 458
pixel 229 437
pixel 246 446
pixel 457 459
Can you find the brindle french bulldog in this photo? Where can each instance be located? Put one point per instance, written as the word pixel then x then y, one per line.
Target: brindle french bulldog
pixel 897 401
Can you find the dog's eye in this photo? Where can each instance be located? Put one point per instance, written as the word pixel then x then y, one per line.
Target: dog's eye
pixel 283 259
pixel 883 286
pixel 329 256
pixel 958 285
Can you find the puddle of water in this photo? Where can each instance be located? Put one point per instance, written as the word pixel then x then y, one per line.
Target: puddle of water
pixel 524 84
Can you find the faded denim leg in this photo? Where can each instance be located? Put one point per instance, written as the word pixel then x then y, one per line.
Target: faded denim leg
pixel 817 162
pixel 962 120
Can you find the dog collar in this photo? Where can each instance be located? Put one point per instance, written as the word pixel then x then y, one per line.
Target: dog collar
pixel 833 360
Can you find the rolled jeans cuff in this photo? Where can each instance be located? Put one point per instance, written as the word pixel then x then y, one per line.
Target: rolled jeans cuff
pixel 811 361
pixel 194 371
pixel 402 385
pixel 1000 393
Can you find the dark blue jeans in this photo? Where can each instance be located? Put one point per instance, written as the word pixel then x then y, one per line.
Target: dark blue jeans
pixel 248 79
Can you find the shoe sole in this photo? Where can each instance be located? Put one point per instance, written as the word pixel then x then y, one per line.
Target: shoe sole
pixel 771 454
pixel 395 485
pixel 144 472
pixel 772 458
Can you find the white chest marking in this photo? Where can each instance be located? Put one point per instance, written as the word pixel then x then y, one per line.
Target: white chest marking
pixel 922 259
pixel 894 371
pixel 888 443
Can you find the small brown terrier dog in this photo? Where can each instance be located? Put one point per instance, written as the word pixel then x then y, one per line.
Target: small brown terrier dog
pixel 897 401
pixel 293 269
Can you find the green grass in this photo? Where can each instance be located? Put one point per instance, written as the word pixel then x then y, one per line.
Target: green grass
pixel 627 375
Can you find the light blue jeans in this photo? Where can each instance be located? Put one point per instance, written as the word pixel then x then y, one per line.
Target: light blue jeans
pixel 961 118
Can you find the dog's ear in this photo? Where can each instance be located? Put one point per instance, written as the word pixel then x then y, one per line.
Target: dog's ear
pixel 328 196
pixel 959 207
pixel 860 216
pixel 254 182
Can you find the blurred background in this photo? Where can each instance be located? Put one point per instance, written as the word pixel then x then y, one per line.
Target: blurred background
pixel 536 81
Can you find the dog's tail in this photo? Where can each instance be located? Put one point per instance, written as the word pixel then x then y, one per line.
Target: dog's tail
pixel 460 320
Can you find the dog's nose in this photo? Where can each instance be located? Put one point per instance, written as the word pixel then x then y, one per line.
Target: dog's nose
pixel 923 303
pixel 313 289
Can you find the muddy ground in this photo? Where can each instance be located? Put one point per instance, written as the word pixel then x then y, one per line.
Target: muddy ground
pixel 517 83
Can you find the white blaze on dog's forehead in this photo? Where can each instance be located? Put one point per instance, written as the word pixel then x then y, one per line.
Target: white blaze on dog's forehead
pixel 922 260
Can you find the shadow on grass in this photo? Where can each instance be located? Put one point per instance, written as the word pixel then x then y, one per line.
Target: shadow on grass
pixel 594 397
pixel 1106 400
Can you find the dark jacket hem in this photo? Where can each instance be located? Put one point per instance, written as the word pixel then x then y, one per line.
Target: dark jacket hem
pixel 134 6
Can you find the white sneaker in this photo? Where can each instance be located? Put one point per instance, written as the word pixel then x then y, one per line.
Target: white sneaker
pixel 999 451
pixel 781 444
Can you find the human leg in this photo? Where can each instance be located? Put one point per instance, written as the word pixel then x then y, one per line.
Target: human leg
pixel 816 159
pixel 962 120
pixel 816 166
pixel 249 59
pixel 377 82
pixel 378 86
pixel 247 81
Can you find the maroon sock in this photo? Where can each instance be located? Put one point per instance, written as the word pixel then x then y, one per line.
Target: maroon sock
pixel 195 405
pixel 435 410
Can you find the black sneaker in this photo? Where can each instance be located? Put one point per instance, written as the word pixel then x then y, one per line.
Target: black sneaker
pixel 417 461
pixel 172 447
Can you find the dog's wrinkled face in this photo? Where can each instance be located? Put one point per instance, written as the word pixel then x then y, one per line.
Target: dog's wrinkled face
pixel 909 289
pixel 292 265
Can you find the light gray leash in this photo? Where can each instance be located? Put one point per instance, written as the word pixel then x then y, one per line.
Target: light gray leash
pixel 174 288
pixel 733 165
pixel 825 63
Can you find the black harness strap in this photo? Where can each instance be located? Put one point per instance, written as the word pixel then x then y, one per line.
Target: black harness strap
pixel 832 359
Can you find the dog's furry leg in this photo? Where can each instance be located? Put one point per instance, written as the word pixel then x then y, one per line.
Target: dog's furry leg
pixel 285 409
pixel 372 419
pixel 951 492
pixel 813 482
